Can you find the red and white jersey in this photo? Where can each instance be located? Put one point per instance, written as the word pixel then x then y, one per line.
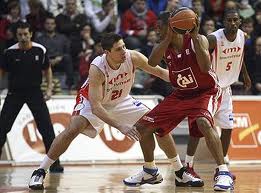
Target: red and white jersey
pixel 117 83
pixel 227 57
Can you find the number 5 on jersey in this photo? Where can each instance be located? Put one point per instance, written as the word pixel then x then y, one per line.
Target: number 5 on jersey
pixel 228 67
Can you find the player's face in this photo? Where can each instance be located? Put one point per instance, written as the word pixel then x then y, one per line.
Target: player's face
pixel 232 22
pixel 161 30
pixel 118 52
pixel 23 35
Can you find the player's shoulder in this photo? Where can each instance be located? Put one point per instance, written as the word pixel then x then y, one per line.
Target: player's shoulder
pixel 37 45
pixel 100 59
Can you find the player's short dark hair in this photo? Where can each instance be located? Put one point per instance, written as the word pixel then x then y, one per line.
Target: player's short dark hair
pixel 109 39
pixel 23 25
pixel 164 17
pixel 230 11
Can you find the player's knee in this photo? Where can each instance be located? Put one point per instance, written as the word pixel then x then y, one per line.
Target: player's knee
pixel 203 124
pixel 77 125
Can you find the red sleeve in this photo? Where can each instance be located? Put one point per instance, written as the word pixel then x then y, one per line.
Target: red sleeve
pixel 126 21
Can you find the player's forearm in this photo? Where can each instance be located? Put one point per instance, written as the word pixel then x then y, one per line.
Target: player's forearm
pixel 244 69
pixel 100 112
pixel 202 54
pixel 158 53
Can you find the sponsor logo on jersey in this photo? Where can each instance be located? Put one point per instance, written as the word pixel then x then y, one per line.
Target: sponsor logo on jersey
pixel 231 50
pixel 185 79
pixel 118 78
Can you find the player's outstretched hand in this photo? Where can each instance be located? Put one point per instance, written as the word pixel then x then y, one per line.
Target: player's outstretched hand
pixel 130 131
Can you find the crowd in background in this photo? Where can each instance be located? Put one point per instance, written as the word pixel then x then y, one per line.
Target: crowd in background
pixel 71 31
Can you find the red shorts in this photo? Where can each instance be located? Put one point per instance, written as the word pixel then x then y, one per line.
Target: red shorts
pixel 172 110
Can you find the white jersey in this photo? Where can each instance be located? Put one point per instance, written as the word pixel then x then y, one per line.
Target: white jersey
pixel 117 83
pixel 227 57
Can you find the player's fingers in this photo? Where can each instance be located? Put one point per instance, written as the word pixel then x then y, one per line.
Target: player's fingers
pixel 135 131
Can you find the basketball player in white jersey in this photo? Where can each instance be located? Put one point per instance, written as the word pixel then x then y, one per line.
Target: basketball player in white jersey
pixel 104 98
pixel 226 46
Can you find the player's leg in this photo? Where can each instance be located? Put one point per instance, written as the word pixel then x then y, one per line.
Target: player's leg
pixel 79 123
pixel 58 147
pixel 191 150
pixel 167 144
pixel 224 119
pixel 224 181
pixel 184 177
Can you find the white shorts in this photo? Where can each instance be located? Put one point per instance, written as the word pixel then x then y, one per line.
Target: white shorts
pixel 224 115
pixel 128 111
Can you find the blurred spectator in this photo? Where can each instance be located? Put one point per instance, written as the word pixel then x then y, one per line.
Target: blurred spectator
pixel 83 45
pixel 214 9
pixel 157 5
pixel 123 5
pixel 199 9
pixel 106 20
pixel 248 27
pixel 25 10
pixel 135 24
pixel 58 6
pixel 186 3
pixel 207 26
pixel 151 41
pixel 85 60
pixel 245 9
pixel 71 20
pixel 255 66
pixel 172 5
pixel 92 7
pixel 37 16
pixel 3 7
pixel 58 47
pixel 257 30
pixel 11 19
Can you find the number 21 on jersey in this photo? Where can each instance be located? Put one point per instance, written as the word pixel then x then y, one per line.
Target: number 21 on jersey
pixel 116 94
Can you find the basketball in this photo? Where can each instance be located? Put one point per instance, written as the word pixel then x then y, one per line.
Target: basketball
pixel 182 20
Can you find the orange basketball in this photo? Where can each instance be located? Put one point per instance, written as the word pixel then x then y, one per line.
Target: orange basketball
pixel 182 20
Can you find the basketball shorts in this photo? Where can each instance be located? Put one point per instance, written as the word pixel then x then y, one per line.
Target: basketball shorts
pixel 128 111
pixel 224 115
pixel 172 110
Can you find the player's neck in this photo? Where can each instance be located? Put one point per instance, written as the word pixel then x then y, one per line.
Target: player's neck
pixel 25 46
pixel 230 36
pixel 112 63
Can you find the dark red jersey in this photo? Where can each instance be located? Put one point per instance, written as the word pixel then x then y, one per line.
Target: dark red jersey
pixel 185 74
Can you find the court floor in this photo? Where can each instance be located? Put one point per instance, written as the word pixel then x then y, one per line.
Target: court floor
pixel 108 179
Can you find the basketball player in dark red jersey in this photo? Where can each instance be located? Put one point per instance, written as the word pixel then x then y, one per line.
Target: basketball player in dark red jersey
pixel 196 97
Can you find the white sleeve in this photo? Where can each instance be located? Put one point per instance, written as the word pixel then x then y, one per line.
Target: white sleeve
pixel 100 25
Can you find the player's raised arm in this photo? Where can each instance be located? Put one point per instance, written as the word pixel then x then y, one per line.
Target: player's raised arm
pixel 141 61
pixel 159 49
pixel 201 49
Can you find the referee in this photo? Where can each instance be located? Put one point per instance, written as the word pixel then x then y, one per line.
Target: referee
pixel 25 62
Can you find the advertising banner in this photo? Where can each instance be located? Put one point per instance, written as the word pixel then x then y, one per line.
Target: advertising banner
pixel 26 145
pixel 246 136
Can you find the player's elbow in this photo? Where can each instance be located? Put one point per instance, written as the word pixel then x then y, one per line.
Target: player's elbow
pixel 152 62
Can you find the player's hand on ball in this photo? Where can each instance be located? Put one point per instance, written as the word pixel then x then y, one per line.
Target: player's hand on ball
pixel 195 30
pixel 131 132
